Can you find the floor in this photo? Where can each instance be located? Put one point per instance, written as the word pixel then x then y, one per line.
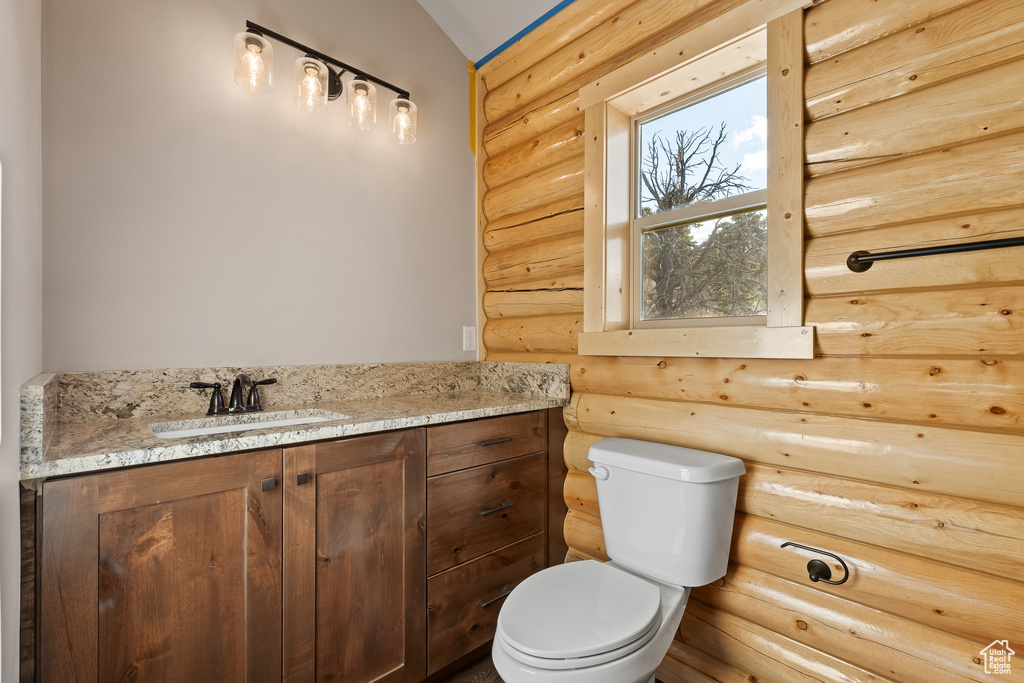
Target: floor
pixel 480 671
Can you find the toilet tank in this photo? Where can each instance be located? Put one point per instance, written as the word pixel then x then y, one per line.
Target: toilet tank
pixel 666 511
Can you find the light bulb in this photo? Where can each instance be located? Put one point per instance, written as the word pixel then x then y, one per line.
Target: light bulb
pixel 403 120
pixel 362 101
pixel 253 62
pixel 311 82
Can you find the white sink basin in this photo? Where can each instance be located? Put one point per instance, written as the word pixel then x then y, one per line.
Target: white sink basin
pixel 242 422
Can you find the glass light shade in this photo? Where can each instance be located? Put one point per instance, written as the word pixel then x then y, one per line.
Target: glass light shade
pixel 362 104
pixel 254 62
pixel 403 120
pixel 310 84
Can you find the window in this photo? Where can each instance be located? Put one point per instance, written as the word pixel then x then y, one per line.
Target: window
pixel 699 256
pixel 699 225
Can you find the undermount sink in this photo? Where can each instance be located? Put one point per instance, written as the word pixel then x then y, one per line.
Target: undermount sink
pixel 241 422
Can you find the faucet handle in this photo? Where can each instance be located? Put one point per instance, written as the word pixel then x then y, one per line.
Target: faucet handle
pixel 253 400
pixel 216 398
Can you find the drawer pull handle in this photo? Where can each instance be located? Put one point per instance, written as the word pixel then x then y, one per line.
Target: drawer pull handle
pixel 494 442
pixel 484 603
pixel 504 506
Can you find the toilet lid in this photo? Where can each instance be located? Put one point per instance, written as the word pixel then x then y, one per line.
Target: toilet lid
pixel 579 609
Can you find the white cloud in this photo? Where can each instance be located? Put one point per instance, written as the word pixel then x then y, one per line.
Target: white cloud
pixel 758 130
pixel 756 161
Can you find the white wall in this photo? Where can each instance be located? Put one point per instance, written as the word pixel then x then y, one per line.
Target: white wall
pixel 21 286
pixel 190 223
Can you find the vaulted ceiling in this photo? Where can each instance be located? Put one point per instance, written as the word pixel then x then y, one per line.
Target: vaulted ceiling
pixel 480 27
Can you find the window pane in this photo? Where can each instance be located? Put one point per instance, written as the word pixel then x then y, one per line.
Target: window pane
pixel 708 268
pixel 712 149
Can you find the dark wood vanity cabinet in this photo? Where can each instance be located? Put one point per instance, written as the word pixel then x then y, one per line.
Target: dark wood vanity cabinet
pixel 163 573
pixel 486 525
pixel 299 564
pixel 375 558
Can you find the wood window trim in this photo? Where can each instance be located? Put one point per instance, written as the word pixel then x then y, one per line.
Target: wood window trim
pixel 724 44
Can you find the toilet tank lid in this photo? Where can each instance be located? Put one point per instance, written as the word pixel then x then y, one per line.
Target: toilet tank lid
pixel 663 460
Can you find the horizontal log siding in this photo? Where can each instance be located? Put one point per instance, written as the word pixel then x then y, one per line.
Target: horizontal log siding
pixel 899 446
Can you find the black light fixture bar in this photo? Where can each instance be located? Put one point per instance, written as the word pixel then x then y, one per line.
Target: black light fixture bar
pixel 859 261
pixel 327 59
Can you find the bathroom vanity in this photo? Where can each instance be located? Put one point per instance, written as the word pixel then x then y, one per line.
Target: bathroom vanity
pixel 383 554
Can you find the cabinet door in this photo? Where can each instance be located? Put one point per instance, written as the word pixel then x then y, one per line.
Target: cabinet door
pixel 163 573
pixel 355 583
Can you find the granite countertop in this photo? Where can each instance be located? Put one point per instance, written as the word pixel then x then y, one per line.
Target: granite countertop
pixel 70 426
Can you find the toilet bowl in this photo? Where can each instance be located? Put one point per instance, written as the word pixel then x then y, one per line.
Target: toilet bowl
pixel 667 514
pixel 559 630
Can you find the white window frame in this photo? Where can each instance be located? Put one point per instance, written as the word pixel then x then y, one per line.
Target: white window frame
pixel 704 210
pixel 732 43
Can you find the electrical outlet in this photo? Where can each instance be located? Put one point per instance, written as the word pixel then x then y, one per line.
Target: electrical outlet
pixel 469 338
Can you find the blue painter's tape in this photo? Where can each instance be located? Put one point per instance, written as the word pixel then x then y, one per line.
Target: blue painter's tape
pixel 544 17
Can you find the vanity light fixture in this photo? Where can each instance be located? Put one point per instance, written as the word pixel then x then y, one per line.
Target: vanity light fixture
pixel 318 80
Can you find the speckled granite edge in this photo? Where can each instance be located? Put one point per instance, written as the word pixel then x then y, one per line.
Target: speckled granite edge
pixel 80 422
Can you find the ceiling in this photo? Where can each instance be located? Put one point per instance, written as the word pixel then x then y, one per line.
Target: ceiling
pixel 480 27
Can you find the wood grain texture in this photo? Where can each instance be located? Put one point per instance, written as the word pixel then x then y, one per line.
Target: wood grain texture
pixel 973 107
pixel 832 28
pixel 524 304
pixel 172 575
pixel 550 147
pixel 561 219
pixel 602 46
pixel 864 451
pixel 461 445
pixel 543 116
pixel 552 333
pixel 298 571
pixel 551 184
pixel 975 465
pixel 825 258
pixel 370 619
pixel 962 393
pixel 968 322
pixel 978 176
pixel 557 472
pixel 557 262
pixel 457 624
pixel 774 657
pixel 827 622
pixel 29 621
pixel 970 38
pixel 473 511
pixel 571 22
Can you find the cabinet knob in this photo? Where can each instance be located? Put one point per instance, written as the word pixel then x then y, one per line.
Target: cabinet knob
pixel 268 484
pixel 302 478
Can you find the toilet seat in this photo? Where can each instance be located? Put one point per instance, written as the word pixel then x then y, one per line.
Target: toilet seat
pixel 577 615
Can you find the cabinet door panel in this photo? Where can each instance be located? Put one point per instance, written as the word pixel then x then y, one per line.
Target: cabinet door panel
pixel 172 590
pixel 163 573
pixel 360 563
pixel 366 597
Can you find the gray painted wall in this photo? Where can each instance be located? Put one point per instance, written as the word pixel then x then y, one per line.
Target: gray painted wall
pixel 21 285
pixel 191 223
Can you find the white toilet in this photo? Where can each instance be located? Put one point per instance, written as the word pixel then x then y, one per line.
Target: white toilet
pixel 667 515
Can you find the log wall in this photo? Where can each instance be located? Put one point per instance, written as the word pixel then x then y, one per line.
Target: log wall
pixel 900 446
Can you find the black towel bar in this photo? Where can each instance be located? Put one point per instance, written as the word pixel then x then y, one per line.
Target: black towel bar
pixel 859 261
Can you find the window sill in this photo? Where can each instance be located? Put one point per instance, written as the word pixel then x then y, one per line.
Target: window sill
pixel 702 342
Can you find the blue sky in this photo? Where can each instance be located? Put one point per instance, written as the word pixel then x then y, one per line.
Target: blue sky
pixel 743 110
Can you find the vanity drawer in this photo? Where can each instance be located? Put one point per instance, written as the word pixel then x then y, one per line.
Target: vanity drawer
pixel 473 511
pixel 467 444
pixel 463 603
